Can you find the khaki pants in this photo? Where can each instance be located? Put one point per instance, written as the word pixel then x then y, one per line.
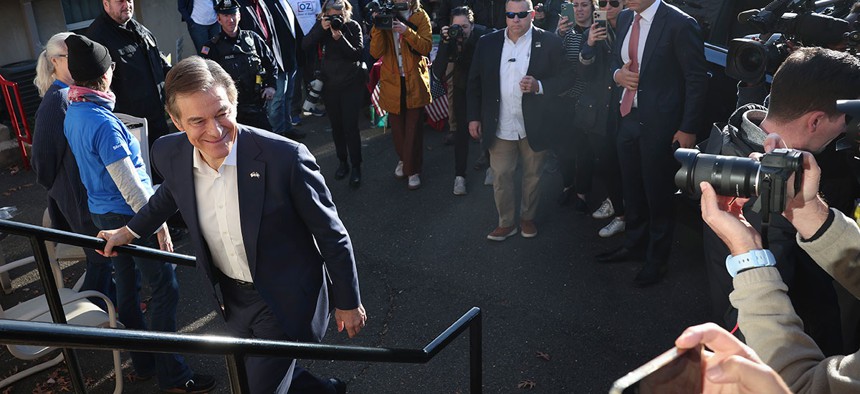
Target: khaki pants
pixel 503 160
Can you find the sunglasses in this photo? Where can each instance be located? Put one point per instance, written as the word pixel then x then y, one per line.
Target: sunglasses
pixel 521 15
pixel 613 3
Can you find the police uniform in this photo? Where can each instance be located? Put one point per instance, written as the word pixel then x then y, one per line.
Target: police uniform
pixel 251 64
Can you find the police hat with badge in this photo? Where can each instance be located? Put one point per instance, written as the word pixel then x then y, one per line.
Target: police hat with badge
pixel 227 7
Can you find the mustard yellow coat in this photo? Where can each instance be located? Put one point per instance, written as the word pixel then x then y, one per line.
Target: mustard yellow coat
pixel 416 65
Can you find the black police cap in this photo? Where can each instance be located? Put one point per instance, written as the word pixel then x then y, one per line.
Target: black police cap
pixel 227 7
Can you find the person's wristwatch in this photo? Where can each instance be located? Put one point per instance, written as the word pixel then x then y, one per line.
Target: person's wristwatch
pixel 752 259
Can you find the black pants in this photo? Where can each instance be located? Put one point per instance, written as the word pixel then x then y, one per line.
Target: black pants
pixel 343 106
pixel 461 134
pixel 575 153
pixel 253 116
pixel 647 173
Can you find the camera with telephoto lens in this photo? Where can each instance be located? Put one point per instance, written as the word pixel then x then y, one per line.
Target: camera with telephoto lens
pixel 385 12
pixel 743 177
pixel 335 21
pixel 782 24
pixel 314 92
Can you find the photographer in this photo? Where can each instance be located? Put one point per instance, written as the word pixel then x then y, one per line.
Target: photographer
pixel 404 86
pixel 454 59
pixel 547 14
pixel 766 315
pixel 594 116
pixel 803 111
pixel 338 40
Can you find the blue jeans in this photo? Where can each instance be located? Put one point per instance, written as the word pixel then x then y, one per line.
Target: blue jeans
pixel 201 34
pixel 170 369
pixel 279 107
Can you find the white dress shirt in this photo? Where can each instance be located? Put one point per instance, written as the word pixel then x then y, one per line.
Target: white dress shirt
pixel 218 213
pixel 514 65
pixel 644 28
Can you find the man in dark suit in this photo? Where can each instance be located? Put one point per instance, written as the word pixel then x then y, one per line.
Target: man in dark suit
pixel 275 21
pixel 659 61
pixel 515 75
pixel 261 220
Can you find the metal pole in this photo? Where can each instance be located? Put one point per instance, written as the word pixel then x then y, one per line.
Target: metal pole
pixel 237 374
pixel 475 355
pixel 55 305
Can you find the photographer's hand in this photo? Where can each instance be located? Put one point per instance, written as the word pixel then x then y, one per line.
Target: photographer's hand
pixel 596 33
pixel 684 140
pixel 325 23
pixel 444 33
pixel 398 26
pixel 336 34
pixel 732 367
pixel 725 216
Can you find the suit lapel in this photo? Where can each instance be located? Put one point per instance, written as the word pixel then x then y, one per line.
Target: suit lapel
pixel 654 34
pixel 251 179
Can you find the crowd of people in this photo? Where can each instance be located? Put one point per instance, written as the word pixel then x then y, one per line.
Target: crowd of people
pixel 597 89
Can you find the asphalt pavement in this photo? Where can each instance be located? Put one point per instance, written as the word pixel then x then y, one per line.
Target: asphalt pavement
pixel 554 320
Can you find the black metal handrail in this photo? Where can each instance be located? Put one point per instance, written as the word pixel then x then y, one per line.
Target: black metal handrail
pixel 69 337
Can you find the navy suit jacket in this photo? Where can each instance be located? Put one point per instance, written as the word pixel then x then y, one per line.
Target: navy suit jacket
pixel 673 74
pixel 540 111
pixel 284 206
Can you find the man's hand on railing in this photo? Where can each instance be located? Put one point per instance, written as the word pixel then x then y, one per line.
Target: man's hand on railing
pixel 353 320
pixel 118 237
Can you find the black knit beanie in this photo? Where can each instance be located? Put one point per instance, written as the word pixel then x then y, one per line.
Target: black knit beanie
pixel 88 60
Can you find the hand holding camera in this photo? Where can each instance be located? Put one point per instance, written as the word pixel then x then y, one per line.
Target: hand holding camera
pixel 595 34
pixel 564 25
pixel 453 32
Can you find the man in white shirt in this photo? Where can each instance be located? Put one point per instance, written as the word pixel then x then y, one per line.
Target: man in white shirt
pixel 515 74
pixel 261 220
pixel 199 16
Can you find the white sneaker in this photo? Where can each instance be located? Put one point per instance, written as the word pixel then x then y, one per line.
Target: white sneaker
pixel 488 179
pixel 414 182
pixel 616 226
pixel 460 186
pixel 606 210
pixel 398 171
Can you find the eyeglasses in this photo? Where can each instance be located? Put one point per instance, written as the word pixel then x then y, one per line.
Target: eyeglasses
pixel 521 15
pixel 62 55
pixel 613 3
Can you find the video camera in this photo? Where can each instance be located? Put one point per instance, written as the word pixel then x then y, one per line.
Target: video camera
pixel 743 177
pixel 783 24
pixel 385 12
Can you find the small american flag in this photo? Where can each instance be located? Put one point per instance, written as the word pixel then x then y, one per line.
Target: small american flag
pixel 437 110
pixel 374 99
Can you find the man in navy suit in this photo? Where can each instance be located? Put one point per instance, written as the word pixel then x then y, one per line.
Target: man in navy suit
pixel 659 63
pixel 261 220
pixel 515 76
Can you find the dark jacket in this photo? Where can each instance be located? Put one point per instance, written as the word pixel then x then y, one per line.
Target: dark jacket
pixel 244 58
pixel 340 63
pixel 481 11
pixel 138 80
pixel 598 104
pixel 546 64
pixel 461 58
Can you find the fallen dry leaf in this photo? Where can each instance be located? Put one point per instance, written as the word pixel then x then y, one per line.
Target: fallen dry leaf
pixel 526 384
pixel 543 356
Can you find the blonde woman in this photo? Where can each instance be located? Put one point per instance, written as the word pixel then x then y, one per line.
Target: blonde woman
pixel 55 166
pixel 338 40
pixel 404 85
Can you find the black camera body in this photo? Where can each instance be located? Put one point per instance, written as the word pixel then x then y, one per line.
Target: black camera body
pixel 455 31
pixel 335 21
pixel 743 177
pixel 783 24
pixel 385 12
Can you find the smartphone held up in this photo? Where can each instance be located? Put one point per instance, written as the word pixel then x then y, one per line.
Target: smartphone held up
pixel 677 371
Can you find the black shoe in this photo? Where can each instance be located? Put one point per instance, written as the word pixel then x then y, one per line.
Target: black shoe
pixel 580 206
pixel 355 177
pixel 295 135
pixel 650 274
pixel 342 170
pixel 564 198
pixel 198 383
pixel 619 255
pixel 339 385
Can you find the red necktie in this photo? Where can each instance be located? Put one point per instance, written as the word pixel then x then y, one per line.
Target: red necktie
pixel 264 26
pixel 633 53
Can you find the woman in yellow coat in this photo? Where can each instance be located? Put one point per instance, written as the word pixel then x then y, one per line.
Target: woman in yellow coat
pixel 404 84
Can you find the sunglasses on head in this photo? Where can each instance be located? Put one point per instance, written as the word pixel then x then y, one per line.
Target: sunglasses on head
pixel 522 15
pixel 613 3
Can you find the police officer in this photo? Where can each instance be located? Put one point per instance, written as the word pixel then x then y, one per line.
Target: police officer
pixel 245 56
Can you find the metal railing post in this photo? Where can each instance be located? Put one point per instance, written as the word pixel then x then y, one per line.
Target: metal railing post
pixel 237 374
pixel 55 305
pixel 475 355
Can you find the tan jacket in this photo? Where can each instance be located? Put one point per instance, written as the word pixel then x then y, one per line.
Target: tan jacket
pixel 415 63
pixel 772 328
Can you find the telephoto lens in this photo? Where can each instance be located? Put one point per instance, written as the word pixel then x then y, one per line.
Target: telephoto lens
pixel 729 175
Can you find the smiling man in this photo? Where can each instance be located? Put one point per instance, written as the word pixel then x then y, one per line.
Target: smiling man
pixel 261 220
